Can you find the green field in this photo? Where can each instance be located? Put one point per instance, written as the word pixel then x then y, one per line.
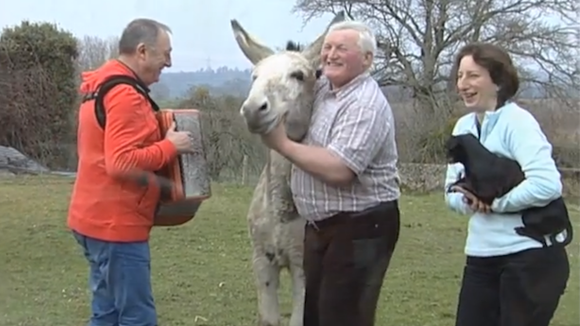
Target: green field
pixel 202 273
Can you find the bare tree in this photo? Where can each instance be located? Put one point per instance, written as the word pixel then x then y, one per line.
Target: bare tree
pixel 94 51
pixel 418 39
pixel 417 42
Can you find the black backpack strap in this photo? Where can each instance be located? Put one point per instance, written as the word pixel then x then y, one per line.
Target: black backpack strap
pixel 108 85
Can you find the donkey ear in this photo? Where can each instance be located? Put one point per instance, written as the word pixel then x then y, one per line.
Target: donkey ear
pixel 312 52
pixel 252 49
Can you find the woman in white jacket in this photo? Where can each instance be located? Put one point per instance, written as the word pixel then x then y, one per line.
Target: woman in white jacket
pixel 509 279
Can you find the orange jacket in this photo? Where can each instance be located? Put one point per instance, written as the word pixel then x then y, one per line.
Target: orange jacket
pixel 106 204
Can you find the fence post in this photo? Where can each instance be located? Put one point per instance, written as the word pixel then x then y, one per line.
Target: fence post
pixel 245 170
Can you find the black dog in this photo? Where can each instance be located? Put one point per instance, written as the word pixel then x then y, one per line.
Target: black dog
pixel 489 176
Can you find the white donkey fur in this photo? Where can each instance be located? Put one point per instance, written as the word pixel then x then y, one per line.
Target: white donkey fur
pixel 282 90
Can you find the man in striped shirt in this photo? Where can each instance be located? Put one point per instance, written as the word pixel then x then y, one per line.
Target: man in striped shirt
pixel 345 183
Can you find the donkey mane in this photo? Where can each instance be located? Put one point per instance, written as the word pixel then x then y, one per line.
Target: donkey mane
pixel 293 46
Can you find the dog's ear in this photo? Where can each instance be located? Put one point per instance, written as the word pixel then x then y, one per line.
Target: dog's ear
pixel 452 143
pixel 452 147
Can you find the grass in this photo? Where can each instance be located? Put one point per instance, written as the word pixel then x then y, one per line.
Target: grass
pixel 201 271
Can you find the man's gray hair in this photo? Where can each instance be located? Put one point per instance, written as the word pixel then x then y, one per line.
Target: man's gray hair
pixel 141 30
pixel 367 40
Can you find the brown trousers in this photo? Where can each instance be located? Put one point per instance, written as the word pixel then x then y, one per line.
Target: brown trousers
pixel 345 261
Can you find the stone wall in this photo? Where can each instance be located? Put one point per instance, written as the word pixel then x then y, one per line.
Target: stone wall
pixel 431 177
pixel 422 177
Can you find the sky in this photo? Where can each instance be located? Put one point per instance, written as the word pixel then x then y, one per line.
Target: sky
pixel 202 34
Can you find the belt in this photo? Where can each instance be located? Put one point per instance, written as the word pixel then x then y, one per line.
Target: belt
pixel 343 216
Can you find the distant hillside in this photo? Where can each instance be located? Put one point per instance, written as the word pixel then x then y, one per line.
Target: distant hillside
pixel 237 82
pixel 221 80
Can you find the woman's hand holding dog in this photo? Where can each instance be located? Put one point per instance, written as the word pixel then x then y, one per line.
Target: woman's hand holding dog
pixel 474 203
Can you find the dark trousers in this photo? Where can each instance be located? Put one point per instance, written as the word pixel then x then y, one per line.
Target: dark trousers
pixel 521 289
pixel 345 261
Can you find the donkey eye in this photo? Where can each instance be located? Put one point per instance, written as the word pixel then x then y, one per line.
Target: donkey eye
pixel 299 75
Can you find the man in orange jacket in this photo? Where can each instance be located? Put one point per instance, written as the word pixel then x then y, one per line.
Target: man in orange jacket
pixel 111 214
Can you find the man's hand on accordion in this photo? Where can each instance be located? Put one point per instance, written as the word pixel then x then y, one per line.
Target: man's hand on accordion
pixel 182 140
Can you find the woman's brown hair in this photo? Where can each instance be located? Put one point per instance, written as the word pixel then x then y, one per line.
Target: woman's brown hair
pixel 497 62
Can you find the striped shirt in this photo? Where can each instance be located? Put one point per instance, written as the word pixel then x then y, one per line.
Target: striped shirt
pixel 356 123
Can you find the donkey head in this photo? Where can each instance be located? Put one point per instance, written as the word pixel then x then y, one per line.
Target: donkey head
pixel 283 83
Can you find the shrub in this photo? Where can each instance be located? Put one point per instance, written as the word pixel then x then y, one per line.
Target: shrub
pixel 226 140
pixel 566 156
pixel 431 146
pixel 38 91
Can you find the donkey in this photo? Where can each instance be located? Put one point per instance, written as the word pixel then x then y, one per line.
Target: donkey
pixel 282 90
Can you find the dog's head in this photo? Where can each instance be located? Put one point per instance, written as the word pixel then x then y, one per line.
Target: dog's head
pixel 455 150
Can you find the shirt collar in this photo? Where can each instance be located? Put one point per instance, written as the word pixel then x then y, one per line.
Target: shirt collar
pixel 348 87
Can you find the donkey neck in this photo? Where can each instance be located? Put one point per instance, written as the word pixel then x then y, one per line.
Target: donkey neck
pixel 276 185
pixel 279 165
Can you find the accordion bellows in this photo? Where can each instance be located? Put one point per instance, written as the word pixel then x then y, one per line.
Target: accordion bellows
pixel 189 173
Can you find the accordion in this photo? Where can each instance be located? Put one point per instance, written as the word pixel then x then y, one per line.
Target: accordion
pixel 190 181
